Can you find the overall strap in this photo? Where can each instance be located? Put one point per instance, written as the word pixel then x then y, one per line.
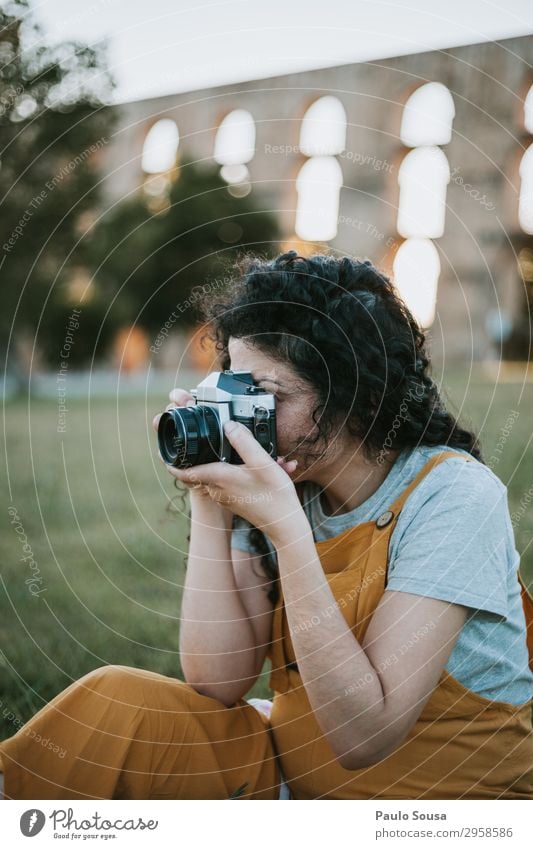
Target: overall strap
pixel 385 524
pixel 395 508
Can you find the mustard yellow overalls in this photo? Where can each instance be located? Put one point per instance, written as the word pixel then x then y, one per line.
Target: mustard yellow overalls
pixel 131 733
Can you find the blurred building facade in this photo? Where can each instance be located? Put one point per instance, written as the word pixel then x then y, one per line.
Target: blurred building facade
pixel 422 164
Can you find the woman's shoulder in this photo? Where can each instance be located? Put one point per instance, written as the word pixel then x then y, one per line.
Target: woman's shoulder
pixel 465 499
pixel 455 470
pixel 454 537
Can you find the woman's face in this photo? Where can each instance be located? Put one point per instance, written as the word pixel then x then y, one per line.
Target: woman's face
pixel 295 402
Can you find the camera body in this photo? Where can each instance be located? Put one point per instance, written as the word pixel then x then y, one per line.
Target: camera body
pixel 190 436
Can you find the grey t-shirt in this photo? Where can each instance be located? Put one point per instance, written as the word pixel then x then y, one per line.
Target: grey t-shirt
pixel 453 541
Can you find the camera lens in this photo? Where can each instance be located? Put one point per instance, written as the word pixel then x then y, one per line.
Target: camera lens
pixel 189 436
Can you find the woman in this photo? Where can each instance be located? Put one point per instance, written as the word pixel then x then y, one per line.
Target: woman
pixel 374 563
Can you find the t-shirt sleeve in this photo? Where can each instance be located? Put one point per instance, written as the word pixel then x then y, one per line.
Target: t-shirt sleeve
pixel 454 537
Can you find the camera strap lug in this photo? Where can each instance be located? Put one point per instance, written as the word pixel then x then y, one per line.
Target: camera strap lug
pixel 260 416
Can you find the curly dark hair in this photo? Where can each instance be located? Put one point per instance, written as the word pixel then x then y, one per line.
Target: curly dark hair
pixel 325 315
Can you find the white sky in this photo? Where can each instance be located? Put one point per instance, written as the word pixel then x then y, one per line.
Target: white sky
pixel 169 46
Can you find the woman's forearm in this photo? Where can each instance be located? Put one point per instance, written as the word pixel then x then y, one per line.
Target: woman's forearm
pixel 217 644
pixel 329 657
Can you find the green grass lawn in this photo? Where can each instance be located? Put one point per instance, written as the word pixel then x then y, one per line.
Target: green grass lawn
pixel 93 503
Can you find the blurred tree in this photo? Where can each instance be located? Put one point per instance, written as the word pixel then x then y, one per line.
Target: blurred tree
pixel 176 233
pixel 55 123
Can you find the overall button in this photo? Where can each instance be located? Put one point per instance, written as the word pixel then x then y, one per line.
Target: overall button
pixel 384 519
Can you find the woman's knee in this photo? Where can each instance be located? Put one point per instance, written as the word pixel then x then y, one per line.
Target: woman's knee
pixel 130 680
pixel 109 677
pixel 144 688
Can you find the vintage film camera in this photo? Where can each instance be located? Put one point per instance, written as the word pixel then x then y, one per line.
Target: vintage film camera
pixel 190 436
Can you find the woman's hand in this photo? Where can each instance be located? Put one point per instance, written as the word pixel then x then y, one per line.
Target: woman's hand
pixel 238 492
pixel 260 490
